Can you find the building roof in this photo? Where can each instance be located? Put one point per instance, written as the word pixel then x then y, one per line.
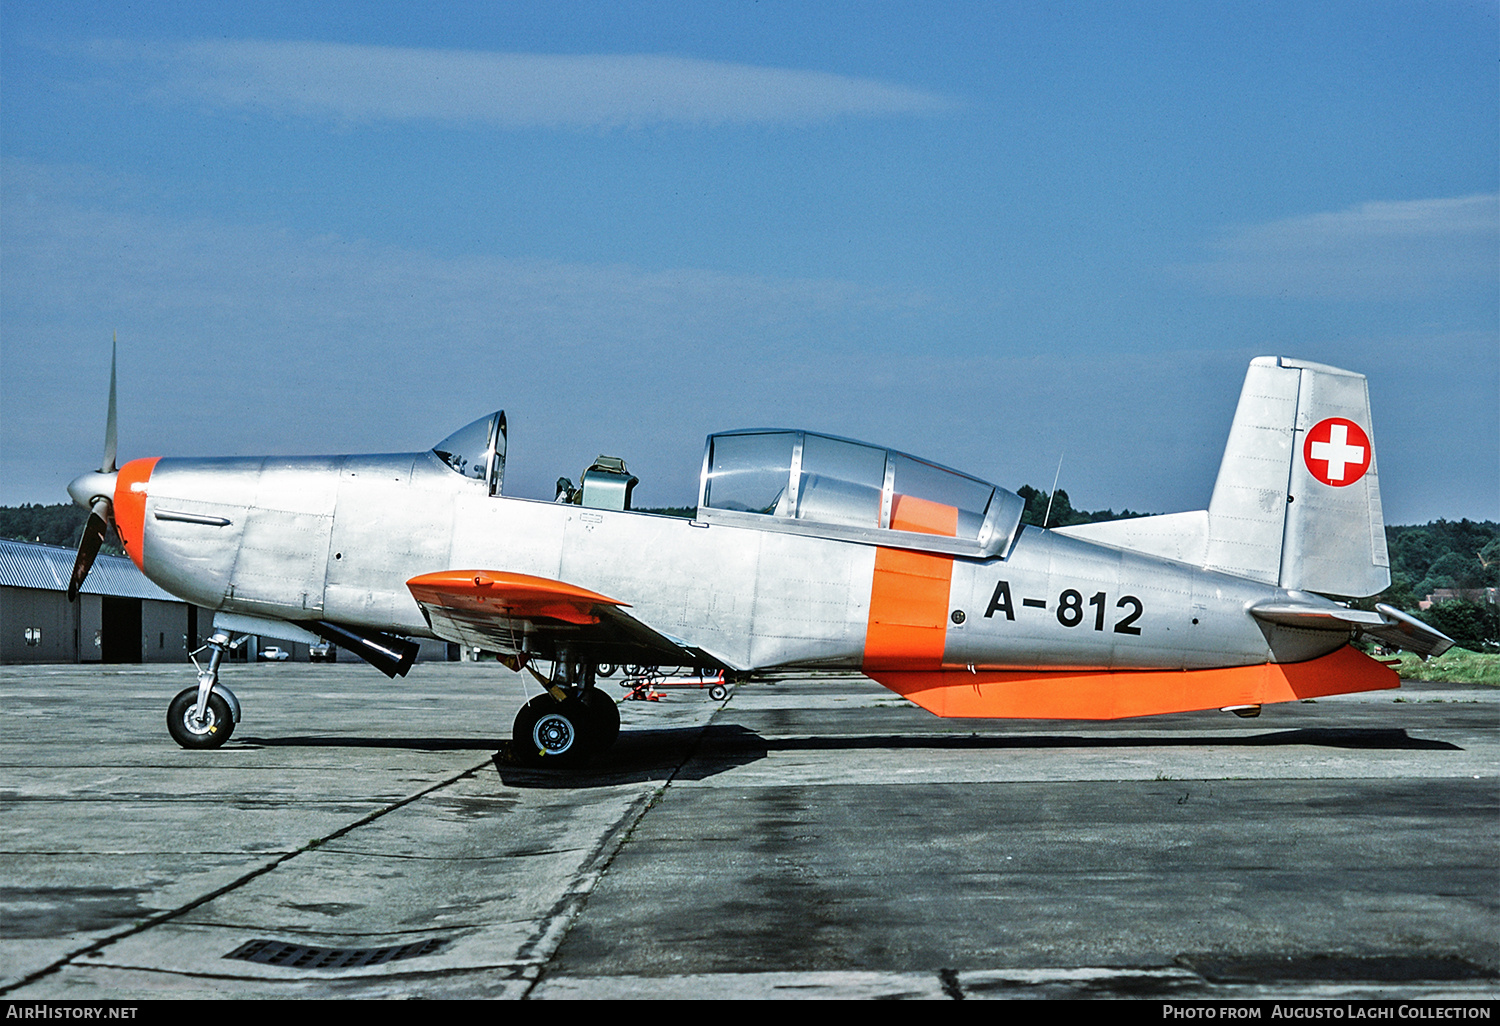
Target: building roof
pixel 48 567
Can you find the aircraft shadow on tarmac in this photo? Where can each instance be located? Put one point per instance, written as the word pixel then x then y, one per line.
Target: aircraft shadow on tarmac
pixel 690 753
pixel 697 753
pixel 416 744
pixel 678 753
pixel 700 753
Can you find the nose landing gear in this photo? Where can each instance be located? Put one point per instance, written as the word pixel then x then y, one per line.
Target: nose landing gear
pixel 204 716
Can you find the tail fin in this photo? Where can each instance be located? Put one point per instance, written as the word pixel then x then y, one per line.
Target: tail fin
pixel 1297 500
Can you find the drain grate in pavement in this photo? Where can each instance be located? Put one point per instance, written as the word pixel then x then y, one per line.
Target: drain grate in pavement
pixel 1333 968
pixel 303 956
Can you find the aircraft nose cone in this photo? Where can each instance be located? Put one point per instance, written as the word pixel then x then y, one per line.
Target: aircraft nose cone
pixel 85 488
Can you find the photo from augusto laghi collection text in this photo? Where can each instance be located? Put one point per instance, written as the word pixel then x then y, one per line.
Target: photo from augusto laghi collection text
pixel 1374 1010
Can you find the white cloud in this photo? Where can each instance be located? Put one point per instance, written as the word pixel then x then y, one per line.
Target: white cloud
pixel 361 84
pixel 1381 250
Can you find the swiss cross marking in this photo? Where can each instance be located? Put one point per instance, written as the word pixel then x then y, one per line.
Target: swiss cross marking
pixel 1337 452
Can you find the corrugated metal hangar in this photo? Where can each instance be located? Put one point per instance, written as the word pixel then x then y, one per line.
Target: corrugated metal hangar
pixel 120 616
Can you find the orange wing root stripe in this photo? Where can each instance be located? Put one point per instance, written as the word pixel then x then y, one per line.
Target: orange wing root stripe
pixel 1104 695
pixel 499 593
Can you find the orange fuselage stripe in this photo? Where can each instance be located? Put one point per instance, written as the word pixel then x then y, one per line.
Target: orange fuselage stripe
pixel 130 507
pixel 908 624
pixel 1104 695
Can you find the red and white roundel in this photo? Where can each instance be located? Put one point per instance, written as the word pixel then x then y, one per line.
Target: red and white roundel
pixel 1337 452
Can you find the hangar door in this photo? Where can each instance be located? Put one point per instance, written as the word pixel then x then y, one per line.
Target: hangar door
pixel 120 633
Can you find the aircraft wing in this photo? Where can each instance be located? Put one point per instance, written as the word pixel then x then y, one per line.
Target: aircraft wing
pixel 1386 624
pixel 512 613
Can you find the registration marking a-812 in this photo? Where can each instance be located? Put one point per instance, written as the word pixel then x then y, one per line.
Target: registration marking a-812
pixel 1070 609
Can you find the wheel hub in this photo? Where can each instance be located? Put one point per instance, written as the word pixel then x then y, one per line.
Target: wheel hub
pixel 194 725
pixel 553 734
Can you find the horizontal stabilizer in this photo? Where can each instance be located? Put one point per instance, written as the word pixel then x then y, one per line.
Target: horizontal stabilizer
pixel 1403 631
pixel 1386 624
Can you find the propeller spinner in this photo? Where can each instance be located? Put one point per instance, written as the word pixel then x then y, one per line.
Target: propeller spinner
pixel 95 491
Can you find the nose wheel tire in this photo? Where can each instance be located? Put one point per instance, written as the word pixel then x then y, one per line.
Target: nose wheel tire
pixel 189 732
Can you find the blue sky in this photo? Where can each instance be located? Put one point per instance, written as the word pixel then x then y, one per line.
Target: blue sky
pixel 991 234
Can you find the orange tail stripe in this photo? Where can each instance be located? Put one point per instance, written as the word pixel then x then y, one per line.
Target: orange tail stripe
pixel 1107 695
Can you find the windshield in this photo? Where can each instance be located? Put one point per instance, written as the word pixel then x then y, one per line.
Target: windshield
pixel 749 472
pixel 477 450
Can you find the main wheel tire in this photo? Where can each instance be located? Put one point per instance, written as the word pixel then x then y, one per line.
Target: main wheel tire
pixel 605 669
pixel 605 715
pixel 552 733
pixel 217 725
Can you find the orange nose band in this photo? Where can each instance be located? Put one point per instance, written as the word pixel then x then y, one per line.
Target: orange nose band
pixel 130 506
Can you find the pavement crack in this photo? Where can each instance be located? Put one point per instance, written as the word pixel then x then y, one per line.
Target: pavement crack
pixel 170 914
pixel 559 921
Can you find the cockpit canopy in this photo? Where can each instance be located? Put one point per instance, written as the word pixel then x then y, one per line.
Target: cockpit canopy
pixel 800 482
pixel 477 450
pixel 807 483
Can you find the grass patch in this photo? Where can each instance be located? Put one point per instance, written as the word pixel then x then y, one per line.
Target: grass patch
pixel 1455 666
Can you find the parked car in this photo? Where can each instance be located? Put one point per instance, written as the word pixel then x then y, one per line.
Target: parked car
pixel 322 652
pixel 274 654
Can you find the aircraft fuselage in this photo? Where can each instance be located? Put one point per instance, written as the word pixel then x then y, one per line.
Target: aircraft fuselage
pixel 337 538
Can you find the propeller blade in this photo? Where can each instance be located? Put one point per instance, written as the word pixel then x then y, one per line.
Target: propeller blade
pixel 108 466
pixel 88 545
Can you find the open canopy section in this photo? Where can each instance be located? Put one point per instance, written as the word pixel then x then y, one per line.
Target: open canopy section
pixel 808 483
pixel 477 451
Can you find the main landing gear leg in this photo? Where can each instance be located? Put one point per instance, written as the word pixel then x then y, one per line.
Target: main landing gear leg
pixel 568 724
pixel 204 716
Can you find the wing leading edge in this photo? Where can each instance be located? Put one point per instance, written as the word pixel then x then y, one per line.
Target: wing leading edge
pixel 518 614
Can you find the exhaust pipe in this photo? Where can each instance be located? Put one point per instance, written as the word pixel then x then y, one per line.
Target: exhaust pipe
pixel 389 654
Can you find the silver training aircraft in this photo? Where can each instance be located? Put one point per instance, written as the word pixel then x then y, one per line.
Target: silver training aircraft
pixel 807 553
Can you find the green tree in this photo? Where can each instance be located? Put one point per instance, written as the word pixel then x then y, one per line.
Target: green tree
pixel 1472 625
pixel 60 524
